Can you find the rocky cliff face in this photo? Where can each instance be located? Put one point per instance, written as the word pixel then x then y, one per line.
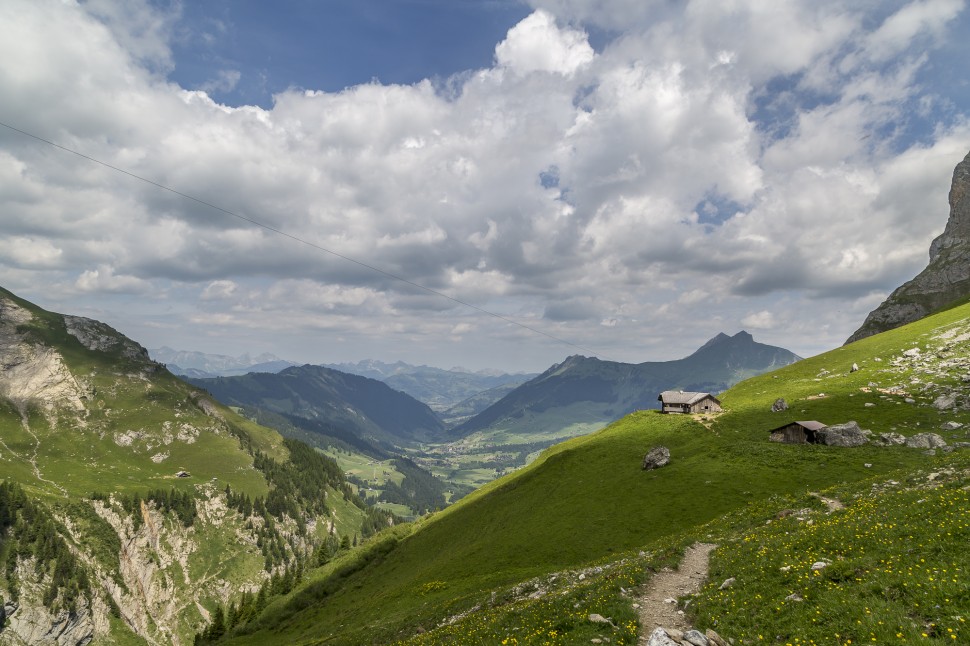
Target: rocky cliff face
pixel 945 279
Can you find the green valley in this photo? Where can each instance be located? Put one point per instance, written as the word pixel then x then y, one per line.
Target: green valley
pixel 587 503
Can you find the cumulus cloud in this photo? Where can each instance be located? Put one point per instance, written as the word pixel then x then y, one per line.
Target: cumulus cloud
pixel 561 186
pixel 537 45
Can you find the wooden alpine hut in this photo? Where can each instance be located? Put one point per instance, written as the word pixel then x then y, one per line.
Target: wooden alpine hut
pixel 797 433
pixel 678 401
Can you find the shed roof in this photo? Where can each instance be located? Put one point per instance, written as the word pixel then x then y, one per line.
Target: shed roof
pixel 682 397
pixel 810 425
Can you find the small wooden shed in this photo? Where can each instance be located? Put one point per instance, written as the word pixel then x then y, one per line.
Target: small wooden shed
pixel 679 401
pixel 797 432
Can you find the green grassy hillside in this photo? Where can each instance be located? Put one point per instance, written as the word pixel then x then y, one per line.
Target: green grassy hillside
pixel 93 435
pixel 587 499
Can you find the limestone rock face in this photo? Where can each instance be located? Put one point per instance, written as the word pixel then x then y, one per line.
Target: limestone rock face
pixel 945 279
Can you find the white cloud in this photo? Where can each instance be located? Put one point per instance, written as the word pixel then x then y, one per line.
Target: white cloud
pixel 560 187
pixel 104 279
pixel 225 81
pixel 763 320
pixel 537 45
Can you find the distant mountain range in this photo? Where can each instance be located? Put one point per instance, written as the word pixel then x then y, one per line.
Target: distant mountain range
pixel 365 407
pixel 202 365
pixel 438 388
pixel 597 392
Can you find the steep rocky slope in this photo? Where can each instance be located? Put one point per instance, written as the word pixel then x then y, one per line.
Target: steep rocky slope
pixel 132 507
pixel 947 277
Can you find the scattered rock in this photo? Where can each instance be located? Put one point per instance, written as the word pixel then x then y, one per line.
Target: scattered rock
pixel 819 565
pixel 794 596
pixel 848 434
pixel 890 439
pixel 714 638
pixel 951 426
pixel 779 405
pixel 869 405
pixel 659 637
pixel 656 458
pixel 675 634
pixel 854 368
pixel 727 583
pixel 600 619
pixel 925 441
pixel 945 401
pixel 696 638
pixel 912 352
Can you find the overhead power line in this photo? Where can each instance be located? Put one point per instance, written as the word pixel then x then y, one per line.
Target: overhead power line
pixel 300 240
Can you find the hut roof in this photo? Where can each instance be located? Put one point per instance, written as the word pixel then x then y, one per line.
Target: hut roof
pixel 682 397
pixel 811 425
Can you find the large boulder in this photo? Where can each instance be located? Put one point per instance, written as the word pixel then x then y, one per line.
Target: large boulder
pixel 848 434
pixel 657 457
pixel 779 405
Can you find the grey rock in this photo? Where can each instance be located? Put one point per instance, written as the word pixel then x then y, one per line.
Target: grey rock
pixel 779 405
pixel 659 637
pixel 599 619
pixel 657 457
pixel 890 439
pixel 714 638
pixel 696 638
pixel 848 434
pixel 925 441
pixel 945 401
pixel 854 368
pixel 727 583
pixel 951 426
pixel 945 279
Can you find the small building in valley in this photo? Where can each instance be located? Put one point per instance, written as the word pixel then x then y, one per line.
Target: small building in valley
pixel 797 432
pixel 678 401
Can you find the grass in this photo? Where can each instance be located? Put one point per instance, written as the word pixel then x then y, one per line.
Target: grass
pixel 587 499
pixel 896 569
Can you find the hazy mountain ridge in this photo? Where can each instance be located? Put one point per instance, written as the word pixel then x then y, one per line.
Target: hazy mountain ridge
pixel 367 407
pixel 204 365
pixel 439 388
pixel 607 390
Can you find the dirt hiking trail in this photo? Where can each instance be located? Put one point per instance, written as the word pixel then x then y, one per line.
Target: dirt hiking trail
pixel 655 609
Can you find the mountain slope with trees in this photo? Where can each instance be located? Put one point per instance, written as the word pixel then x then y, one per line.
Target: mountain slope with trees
pixel 367 407
pixel 133 508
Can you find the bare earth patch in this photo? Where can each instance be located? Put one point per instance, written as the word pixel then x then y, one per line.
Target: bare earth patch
pixel 655 609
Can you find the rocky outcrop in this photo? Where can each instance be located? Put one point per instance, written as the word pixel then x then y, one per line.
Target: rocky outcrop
pixel 29 372
pixel 30 621
pixel 946 278
pixel 95 335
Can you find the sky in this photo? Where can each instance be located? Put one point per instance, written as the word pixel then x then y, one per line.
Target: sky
pixel 479 183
